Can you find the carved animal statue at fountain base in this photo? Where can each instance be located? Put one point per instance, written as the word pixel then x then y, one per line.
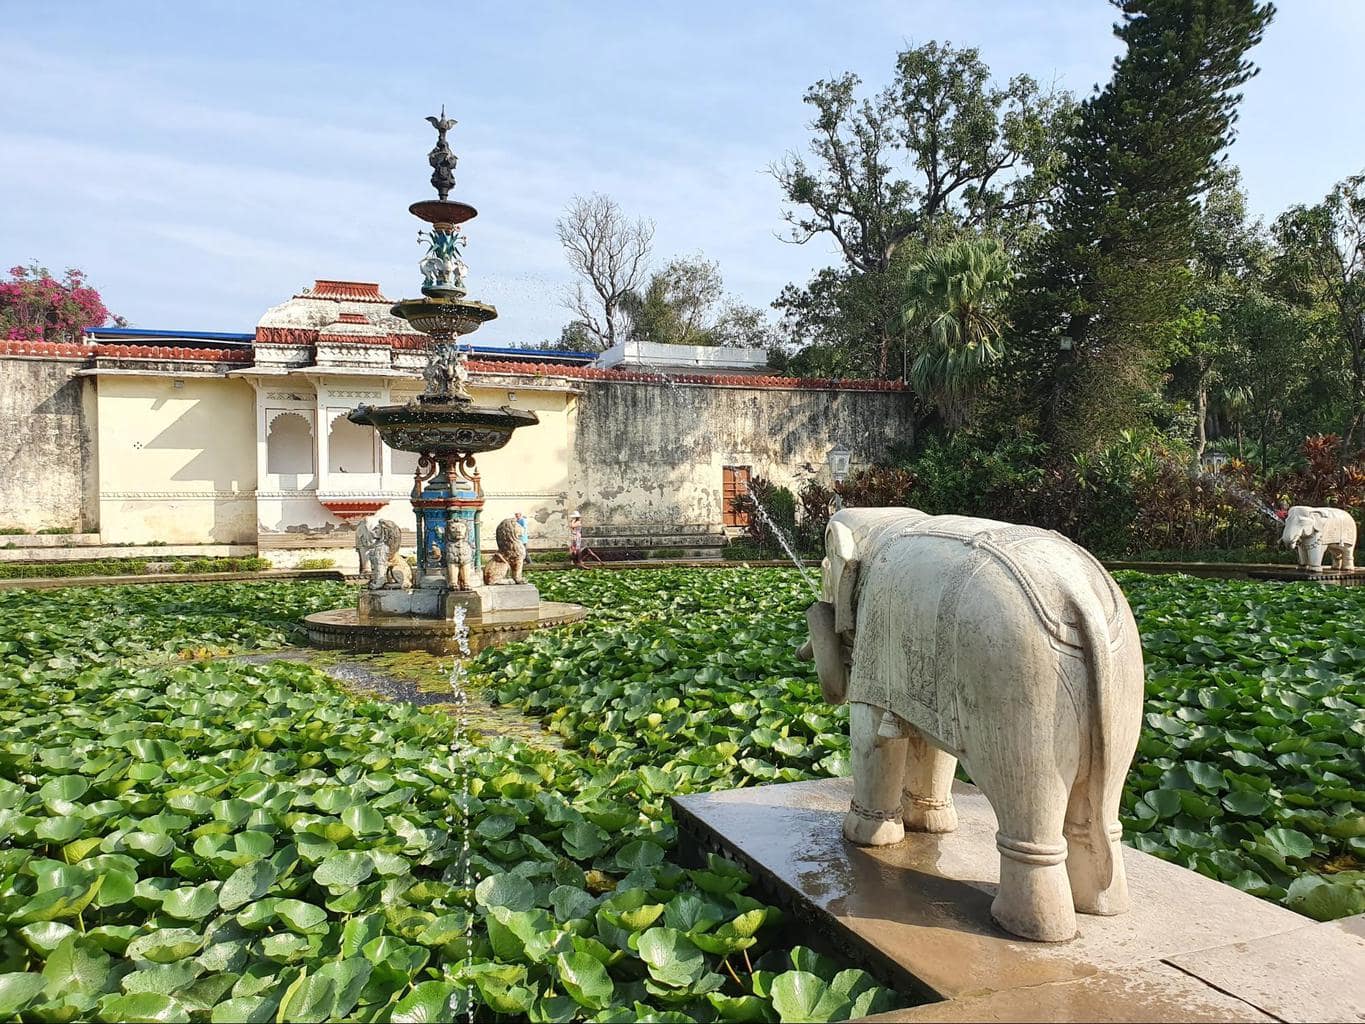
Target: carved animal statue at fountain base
pixel 380 556
pixel 458 558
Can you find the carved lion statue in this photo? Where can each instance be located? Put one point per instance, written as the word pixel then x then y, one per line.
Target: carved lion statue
pixel 380 557
pixel 494 569
pixel 510 548
pixel 458 556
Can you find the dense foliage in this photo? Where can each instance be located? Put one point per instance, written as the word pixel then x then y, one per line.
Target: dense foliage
pixel 216 840
pixel 1138 497
pixel 213 840
pixel 1147 302
pixel 35 306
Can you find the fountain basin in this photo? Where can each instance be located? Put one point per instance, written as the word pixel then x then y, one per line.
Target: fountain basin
pixel 442 426
pixel 344 629
pixel 443 211
pixel 444 314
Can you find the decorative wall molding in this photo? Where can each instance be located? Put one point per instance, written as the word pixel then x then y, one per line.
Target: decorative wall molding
pixel 295 337
pixel 290 396
pixel 312 494
pixel 177 495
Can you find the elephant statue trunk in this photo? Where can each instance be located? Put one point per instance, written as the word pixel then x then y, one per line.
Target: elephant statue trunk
pixel 1007 648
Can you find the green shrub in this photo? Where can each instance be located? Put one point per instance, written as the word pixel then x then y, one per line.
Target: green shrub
pixel 12 531
pixel 43 570
pixel 744 550
pixel 316 563
pixel 56 530
pixel 127 567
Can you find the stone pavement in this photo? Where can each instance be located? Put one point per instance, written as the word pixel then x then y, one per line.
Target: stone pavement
pixel 917 915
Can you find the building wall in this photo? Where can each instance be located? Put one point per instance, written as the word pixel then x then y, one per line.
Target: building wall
pixel 188 464
pixel 177 464
pixel 48 468
pixel 655 453
pixel 533 473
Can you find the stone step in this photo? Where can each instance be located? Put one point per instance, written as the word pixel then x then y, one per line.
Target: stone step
pixel 650 530
pixel 628 554
pixel 49 540
pixel 617 540
pixel 150 552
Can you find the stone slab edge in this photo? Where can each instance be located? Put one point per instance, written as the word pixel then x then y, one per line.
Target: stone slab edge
pixel 815 927
pixel 820 929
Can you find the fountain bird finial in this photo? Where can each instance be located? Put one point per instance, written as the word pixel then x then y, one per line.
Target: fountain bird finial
pixel 441 158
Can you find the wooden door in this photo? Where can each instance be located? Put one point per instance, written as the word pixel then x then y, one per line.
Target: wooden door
pixel 734 482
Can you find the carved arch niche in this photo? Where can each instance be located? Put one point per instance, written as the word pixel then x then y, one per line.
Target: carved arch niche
pixel 289 447
pixel 350 447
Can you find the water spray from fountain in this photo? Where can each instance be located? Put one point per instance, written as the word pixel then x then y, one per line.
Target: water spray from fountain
pixel 460 698
pixel 786 543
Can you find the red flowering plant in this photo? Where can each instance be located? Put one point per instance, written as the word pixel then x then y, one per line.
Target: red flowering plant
pixel 35 306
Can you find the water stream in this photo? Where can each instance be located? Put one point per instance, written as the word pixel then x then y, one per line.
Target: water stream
pixel 786 543
pixel 460 698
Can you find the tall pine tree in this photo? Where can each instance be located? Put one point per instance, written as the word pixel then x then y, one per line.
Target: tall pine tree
pixel 1114 267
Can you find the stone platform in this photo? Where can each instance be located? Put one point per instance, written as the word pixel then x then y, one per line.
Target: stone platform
pixel 434 600
pixel 344 629
pixel 918 915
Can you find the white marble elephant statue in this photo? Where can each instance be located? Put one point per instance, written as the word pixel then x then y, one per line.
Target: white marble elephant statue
pixel 1005 647
pixel 1316 532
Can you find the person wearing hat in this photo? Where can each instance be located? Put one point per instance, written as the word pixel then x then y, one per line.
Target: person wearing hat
pixel 577 550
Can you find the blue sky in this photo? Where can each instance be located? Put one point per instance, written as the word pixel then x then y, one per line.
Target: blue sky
pixel 202 161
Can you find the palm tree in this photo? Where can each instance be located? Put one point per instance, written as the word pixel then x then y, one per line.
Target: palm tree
pixel 952 299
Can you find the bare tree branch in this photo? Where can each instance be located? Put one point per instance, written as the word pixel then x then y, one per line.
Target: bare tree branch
pixel 610 253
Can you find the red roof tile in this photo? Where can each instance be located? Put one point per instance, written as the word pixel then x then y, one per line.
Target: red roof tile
pixel 355 291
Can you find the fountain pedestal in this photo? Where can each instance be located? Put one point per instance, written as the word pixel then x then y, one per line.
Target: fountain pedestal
pixel 437 601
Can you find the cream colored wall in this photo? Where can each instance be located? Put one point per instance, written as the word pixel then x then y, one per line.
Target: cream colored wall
pixel 531 475
pixel 177 464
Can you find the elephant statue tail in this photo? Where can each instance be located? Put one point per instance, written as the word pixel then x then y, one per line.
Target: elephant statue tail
pixel 1095 643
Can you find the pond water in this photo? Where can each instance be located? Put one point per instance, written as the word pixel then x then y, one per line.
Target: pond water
pixel 418 678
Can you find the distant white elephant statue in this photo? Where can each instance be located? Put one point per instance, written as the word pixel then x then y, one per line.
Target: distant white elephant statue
pixel 1316 532
pixel 1010 649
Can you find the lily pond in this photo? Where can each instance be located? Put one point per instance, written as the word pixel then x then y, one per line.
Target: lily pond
pixel 194 829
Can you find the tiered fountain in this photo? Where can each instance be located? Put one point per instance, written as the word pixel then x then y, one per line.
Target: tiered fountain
pixel 447 430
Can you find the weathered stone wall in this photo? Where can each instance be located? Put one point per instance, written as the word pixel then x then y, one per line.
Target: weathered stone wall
pixel 655 453
pixel 48 465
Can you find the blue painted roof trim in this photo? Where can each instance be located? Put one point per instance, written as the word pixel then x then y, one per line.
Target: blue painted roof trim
pixel 138 332
pixel 530 354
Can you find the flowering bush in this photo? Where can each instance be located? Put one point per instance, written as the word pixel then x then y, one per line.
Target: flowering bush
pixel 35 306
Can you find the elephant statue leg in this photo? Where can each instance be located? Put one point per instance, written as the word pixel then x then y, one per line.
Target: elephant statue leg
pixel 1315 553
pixel 874 819
pixel 1096 887
pixel 1348 557
pixel 1029 796
pixel 927 799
